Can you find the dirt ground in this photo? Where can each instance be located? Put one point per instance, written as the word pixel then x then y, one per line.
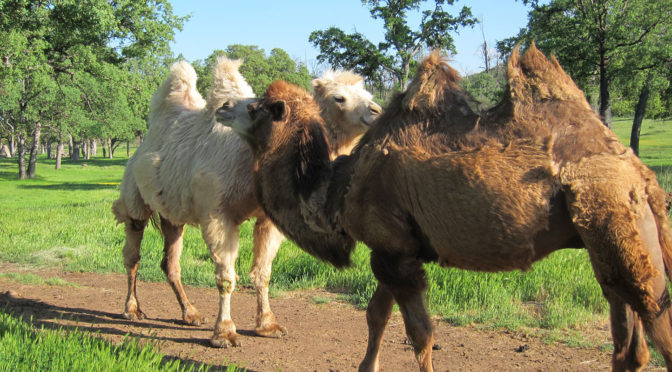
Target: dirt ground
pixel 327 336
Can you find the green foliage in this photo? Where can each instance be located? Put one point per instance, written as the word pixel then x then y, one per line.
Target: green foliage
pixel 77 67
pixel 486 87
pixel 402 43
pixel 258 70
pixel 24 347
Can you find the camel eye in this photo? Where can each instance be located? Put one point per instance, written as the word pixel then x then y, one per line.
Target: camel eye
pixel 339 99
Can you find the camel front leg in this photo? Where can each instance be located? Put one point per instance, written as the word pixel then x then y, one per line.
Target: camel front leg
pixel 377 315
pixel 222 239
pixel 267 240
pixel 172 250
pixel 134 232
pixel 404 277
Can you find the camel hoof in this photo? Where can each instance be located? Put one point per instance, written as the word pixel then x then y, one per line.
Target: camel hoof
pixel 194 319
pixel 225 340
pixel 134 315
pixel 274 330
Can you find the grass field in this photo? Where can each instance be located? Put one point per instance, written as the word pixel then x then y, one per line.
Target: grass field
pixel 63 218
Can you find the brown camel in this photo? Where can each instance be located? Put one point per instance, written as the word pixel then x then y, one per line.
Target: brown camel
pixel 192 169
pixel 434 181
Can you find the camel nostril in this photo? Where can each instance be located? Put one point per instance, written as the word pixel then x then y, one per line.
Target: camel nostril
pixel 375 110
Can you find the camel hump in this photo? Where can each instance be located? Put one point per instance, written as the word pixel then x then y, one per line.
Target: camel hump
pixel 533 77
pixel 227 83
pixel 433 78
pixel 178 91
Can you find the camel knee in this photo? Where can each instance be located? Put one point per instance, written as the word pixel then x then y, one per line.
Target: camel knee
pixel 173 272
pixel 226 282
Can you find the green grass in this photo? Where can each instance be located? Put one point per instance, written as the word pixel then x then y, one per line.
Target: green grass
pixel 63 218
pixel 25 347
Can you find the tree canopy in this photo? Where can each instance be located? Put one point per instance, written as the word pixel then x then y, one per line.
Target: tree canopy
pixel 258 70
pixel 76 67
pixel 396 55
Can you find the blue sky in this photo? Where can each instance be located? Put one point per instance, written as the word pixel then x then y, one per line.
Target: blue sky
pixel 287 25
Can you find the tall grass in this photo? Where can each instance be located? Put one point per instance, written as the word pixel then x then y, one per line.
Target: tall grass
pixel 63 218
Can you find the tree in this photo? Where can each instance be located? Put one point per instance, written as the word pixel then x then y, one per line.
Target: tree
pixel 601 38
pixel 395 55
pixel 258 70
pixel 45 43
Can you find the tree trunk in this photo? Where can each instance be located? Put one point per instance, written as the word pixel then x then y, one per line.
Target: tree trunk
pixel 4 151
pixel 49 152
pixel 12 145
pixel 70 145
pixel 74 155
pixel 85 149
pixel 32 161
pixel 94 148
pixel 640 110
pixel 128 149
pixel 605 100
pixel 110 153
pixel 59 152
pixel 21 152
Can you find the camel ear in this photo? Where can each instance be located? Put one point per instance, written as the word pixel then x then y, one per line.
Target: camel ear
pixel 318 86
pixel 278 110
pixel 252 109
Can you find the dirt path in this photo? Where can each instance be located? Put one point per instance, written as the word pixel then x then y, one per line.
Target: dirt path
pixel 322 337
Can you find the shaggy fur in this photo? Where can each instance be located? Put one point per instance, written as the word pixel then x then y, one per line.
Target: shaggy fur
pixel 191 169
pixel 434 181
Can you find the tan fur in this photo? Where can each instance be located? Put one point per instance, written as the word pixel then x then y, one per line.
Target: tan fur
pixel 434 181
pixel 191 169
pixel 346 120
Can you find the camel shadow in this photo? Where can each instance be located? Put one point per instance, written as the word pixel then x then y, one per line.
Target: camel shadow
pixel 44 315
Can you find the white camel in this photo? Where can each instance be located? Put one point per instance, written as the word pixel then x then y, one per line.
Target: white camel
pixel 191 169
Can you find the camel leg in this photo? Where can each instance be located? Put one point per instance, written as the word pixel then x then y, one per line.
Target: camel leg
pixel 377 315
pixel 626 255
pixel 404 277
pixel 134 232
pixel 267 240
pixel 172 250
pixel 222 239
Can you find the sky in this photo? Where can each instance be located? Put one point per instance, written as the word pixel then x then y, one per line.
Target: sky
pixel 287 25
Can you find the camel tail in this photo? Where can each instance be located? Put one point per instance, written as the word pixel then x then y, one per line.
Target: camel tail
pixel 227 83
pixel 177 92
pixel 533 78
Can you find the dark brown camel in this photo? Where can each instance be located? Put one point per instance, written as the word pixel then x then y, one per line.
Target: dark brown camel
pixel 434 181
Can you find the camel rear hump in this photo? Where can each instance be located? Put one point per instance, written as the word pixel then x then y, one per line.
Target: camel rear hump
pixel 533 78
pixel 227 83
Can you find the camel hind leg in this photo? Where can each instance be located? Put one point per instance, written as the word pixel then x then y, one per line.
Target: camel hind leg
pixel 134 232
pixel 172 250
pixel 621 235
pixel 267 240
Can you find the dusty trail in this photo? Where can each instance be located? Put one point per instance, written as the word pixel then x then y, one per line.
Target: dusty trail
pixel 322 337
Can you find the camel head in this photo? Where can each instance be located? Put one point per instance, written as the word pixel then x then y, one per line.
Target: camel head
pixel 230 94
pixel 346 105
pixel 283 110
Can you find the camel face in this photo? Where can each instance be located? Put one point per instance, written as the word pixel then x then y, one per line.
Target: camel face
pixel 344 99
pixel 233 114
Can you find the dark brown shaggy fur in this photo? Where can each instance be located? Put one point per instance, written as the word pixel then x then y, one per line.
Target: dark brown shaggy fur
pixel 434 181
